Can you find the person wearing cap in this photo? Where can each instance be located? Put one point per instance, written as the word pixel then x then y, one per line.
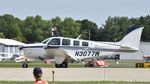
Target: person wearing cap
pixel 37 72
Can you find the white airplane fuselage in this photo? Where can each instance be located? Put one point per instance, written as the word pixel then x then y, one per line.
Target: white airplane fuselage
pixel 79 52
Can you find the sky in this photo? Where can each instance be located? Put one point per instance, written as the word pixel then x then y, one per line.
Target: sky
pixel 94 10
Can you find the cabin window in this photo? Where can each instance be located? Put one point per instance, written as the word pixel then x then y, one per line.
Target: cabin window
pixel 65 42
pixel 55 41
pixel 85 43
pixel 76 43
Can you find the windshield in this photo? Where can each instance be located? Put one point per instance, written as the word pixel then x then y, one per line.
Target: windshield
pixel 45 41
pixel 54 41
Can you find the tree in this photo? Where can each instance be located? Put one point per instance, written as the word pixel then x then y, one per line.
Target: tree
pixel 90 29
pixel 35 29
pixel 2 35
pixel 115 28
pixel 145 22
pixel 70 28
pixel 57 22
pixel 10 27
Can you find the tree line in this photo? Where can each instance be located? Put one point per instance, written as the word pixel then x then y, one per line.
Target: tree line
pixel 35 29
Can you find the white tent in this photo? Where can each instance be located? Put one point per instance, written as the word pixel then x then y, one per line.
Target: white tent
pixel 10 47
pixel 10 42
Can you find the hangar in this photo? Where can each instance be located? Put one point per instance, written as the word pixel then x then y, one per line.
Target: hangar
pixel 10 47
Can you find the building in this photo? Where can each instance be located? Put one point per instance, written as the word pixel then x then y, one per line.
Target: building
pixel 144 50
pixel 10 47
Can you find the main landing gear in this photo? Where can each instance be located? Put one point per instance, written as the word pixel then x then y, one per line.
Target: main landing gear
pixel 63 65
pixel 25 64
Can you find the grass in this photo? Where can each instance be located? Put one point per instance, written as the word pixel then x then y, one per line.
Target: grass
pixel 76 82
pixel 112 64
pixel 12 64
pixel 124 63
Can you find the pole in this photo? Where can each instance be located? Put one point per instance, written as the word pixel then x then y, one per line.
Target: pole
pixel 53 81
pixel 89 34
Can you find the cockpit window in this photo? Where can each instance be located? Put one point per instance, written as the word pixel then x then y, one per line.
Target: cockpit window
pixel 65 42
pixel 45 41
pixel 54 41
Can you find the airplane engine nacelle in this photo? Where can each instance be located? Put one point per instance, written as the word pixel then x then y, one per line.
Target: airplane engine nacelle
pixel 34 52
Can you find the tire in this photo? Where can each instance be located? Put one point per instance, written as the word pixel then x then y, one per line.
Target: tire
pixel 64 65
pixel 24 65
pixel 86 65
pixel 58 65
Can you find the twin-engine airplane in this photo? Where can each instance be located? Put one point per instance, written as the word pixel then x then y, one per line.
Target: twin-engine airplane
pixel 62 48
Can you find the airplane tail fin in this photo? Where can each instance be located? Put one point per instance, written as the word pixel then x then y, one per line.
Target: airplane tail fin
pixel 132 39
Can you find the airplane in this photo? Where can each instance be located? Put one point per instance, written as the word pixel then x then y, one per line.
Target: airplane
pixel 63 48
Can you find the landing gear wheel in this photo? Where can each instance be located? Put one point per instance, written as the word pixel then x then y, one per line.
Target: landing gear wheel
pixel 24 65
pixel 58 65
pixel 63 65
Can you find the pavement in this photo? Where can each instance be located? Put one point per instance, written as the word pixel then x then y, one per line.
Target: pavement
pixel 78 74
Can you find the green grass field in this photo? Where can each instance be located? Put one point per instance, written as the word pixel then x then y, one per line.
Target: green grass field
pixel 112 64
pixel 74 82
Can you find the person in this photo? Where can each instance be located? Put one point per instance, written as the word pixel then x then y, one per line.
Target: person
pixel 37 72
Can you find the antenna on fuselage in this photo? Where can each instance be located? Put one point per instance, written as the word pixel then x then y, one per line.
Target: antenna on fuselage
pixel 78 36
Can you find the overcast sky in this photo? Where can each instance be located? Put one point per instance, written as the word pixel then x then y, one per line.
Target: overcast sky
pixel 94 10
